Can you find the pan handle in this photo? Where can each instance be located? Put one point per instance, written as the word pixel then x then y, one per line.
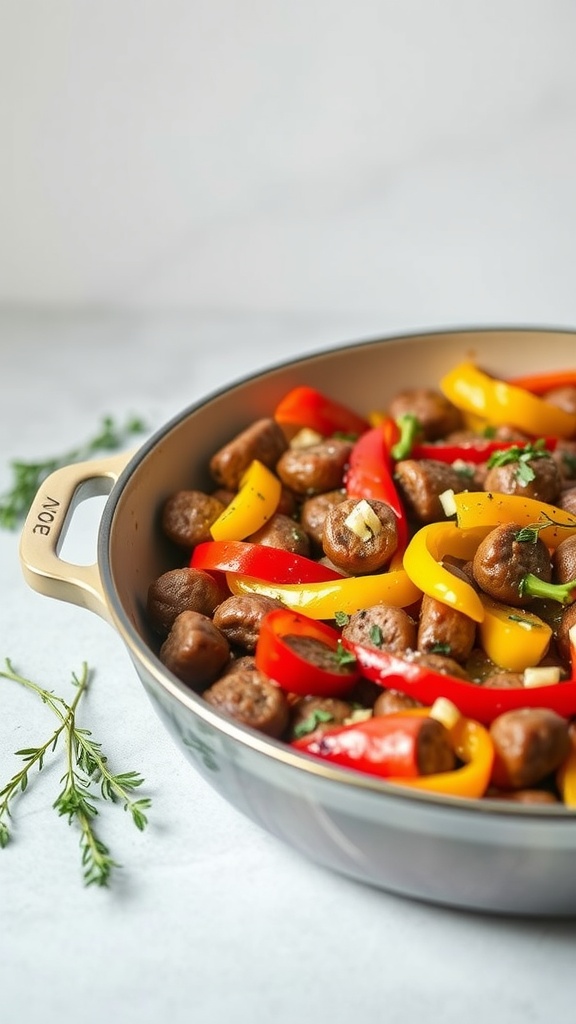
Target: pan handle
pixel 46 526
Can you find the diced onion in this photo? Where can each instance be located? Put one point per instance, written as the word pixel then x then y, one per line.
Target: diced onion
pixel 444 711
pixel 358 715
pixel 363 521
pixel 448 503
pixel 305 438
pixel 542 675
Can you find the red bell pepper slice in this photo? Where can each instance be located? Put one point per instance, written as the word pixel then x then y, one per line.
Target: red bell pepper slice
pixel 482 703
pixel 469 451
pixel 294 672
pixel 306 407
pixel 260 561
pixel 384 745
pixel 540 383
pixel 370 473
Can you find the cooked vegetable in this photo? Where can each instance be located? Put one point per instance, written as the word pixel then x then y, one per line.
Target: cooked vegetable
pixel 498 402
pixel 307 407
pixel 324 600
pixel 485 508
pixel 265 563
pixel 303 656
pixel 412 676
pixel 475 451
pixel 255 503
pixel 423 563
pixel 370 474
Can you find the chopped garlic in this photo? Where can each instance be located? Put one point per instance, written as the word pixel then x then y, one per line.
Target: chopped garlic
pixel 363 521
pixel 444 711
pixel 305 438
pixel 448 503
pixel 358 715
pixel 542 675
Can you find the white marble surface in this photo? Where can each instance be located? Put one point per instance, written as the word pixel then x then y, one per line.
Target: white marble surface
pixel 189 191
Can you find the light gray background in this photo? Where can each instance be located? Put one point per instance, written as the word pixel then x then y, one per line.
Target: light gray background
pixel 189 191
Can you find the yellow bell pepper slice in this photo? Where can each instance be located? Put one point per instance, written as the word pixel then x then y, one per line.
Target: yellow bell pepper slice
pixel 499 402
pixel 255 503
pixel 325 600
pixel 472 745
pixel 423 563
pixel 512 638
pixel 490 509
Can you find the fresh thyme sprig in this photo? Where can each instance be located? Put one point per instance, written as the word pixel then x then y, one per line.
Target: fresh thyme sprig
pixel 28 476
pixel 86 768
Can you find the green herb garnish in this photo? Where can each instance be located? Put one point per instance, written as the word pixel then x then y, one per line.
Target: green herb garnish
pixel 310 723
pixel 341 619
pixel 444 649
pixel 376 635
pixel 410 430
pixel 344 657
pixel 522 455
pixel 86 778
pixel 28 476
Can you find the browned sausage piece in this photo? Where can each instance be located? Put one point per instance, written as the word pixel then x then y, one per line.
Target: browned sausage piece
pixel 438 663
pixel 252 699
pixel 283 532
pixel 537 478
pixel 351 549
pixel 391 701
pixel 567 500
pixel 239 663
pixel 262 440
pixel 529 744
pixel 239 618
pixel 421 482
pixel 502 561
pixel 434 753
pixel 445 630
pixel 310 713
pixel 187 517
pixel 501 432
pixel 567 620
pixel 564 456
pixel 315 469
pixel 382 626
pixel 314 511
pixel 180 590
pixel 504 681
pixel 564 561
pixel 436 415
pixel 195 650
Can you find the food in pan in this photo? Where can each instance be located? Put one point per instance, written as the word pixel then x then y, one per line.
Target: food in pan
pixel 391 590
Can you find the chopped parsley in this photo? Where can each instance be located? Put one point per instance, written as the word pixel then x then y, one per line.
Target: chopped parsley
pixel 522 456
pixel 376 635
pixel 314 719
pixel 344 657
pixel 341 619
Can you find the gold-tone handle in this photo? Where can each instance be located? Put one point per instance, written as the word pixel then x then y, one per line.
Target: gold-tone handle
pixel 45 529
